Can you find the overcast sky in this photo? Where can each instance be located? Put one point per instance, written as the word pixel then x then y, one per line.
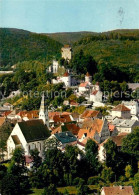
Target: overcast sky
pixel 69 15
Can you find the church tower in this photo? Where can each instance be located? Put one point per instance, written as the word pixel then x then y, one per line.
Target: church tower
pixel 43 113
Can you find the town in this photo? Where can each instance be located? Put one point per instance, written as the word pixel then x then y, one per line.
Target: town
pixel 80 139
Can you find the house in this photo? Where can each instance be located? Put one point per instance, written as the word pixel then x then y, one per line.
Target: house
pixel 58 119
pixel 96 128
pixel 63 139
pixel 117 190
pixel 27 115
pixel 133 86
pixel 121 111
pixel 133 106
pixel 66 52
pixel 125 125
pixel 116 139
pixel 96 96
pixel 84 87
pixel 90 114
pixel 66 79
pixel 28 135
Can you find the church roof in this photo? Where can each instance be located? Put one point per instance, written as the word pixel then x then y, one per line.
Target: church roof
pixel 34 130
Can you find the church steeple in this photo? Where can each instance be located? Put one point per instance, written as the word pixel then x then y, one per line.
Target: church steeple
pixel 43 113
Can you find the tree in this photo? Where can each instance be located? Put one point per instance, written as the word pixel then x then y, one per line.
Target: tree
pixel 128 171
pixel 130 143
pixel 107 174
pixel 82 63
pixel 91 154
pixel 51 190
pixel 82 188
pixel 37 160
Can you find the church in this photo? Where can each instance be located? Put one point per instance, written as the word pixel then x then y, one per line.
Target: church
pixel 30 134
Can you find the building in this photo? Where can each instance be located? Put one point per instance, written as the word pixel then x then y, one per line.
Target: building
pixel 90 114
pixel 72 127
pixel 94 128
pixel 54 67
pixel 28 135
pixel 66 52
pixel 96 96
pixel 133 106
pixel 116 139
pixel 62 139
pixel 121 111
pixel 125 125
pixel 117 190
pixel 84 87
pixel 66 79
pixel 88 78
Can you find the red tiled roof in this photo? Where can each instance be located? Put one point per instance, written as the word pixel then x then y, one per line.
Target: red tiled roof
pixel 2 120
pixel 52 114
pixel 111 127
pixel 90 128
pixel 89 114
pixel 121 107
pixel 118 190
pixel 6 113
pixel 66 74
pixel 94 92
pixel 62 118
pixel 83 84
pixel 30 114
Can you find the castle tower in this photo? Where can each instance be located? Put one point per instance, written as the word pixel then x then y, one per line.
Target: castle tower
pixel 43 113
pixel 66 52
pixel 88 77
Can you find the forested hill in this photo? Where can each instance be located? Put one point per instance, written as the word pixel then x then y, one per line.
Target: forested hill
pixel 119 48
pixel 69 37
pixel 20 45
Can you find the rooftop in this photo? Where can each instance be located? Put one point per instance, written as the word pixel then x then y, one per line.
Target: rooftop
pixel 118 190
pixel 34 130
pixel 121 107
pixel 65 137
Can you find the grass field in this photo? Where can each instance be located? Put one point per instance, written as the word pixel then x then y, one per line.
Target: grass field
pixel 70 189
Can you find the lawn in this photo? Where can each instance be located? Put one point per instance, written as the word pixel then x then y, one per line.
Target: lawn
pixel 70 189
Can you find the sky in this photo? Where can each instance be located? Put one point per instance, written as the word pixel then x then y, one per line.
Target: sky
pixel 47 16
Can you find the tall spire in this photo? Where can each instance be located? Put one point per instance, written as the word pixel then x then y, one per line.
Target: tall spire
pixel 43 106
pixel 43 114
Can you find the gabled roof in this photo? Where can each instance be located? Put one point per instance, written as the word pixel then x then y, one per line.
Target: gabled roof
pixel 121 107
pixel 66 74
pixel 83 84
pixel 65 137
pixel 34 130
pixel 89 113
pixel 94 92
pixel 90 127
pixel 118 190
pixel 29 114
pixel 62 119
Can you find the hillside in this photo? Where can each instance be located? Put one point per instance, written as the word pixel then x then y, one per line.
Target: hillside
pixel 69 37
pixel 20 45
pixel 119 47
